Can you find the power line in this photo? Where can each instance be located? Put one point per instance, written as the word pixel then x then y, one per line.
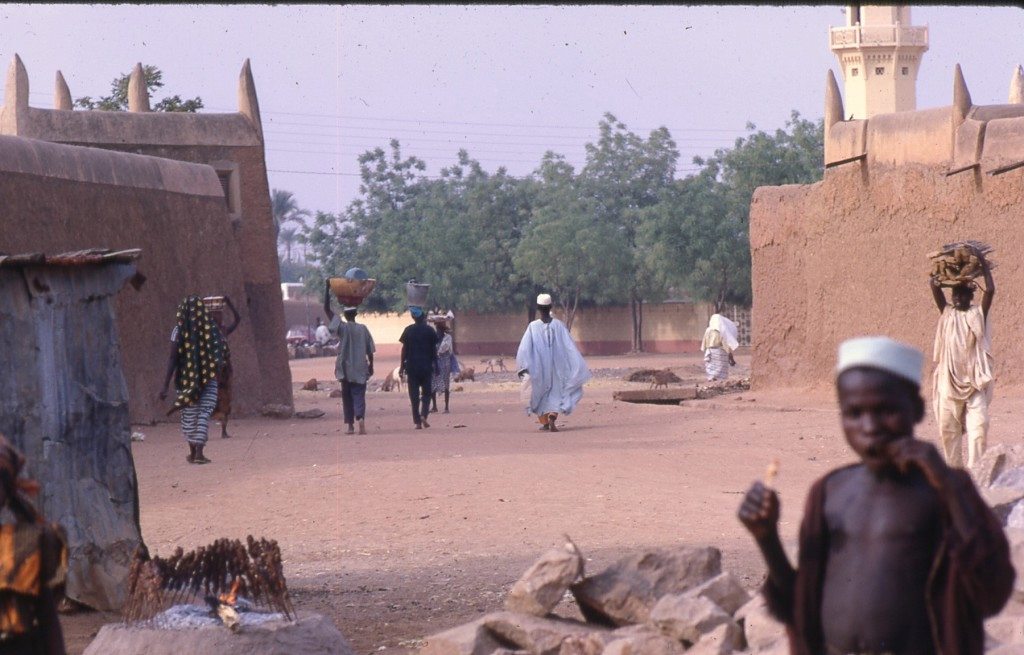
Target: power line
pixel 429 177
pixel 475 123
pixel 376 139
pixel 458 132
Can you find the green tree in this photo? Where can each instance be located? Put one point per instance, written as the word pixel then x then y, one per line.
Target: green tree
pixel 334 247
pixel 567 250
pixel 118 98
pixel 626 174
pixel 288 237
pixel 703 225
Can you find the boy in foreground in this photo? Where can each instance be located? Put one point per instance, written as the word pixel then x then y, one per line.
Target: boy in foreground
pixel 898 553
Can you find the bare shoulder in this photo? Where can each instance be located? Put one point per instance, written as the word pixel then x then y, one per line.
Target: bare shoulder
pixel 842 479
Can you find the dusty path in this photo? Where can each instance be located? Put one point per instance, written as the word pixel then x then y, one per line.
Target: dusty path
pixel 400 533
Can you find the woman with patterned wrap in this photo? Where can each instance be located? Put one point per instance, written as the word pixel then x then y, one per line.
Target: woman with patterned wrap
pixel 198 352
pixel 33 566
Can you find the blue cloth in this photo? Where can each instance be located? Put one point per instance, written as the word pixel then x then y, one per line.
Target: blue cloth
pixel 416 311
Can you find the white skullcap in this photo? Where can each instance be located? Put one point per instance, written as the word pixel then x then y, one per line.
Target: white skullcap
pixel 881 353
pixel 544 299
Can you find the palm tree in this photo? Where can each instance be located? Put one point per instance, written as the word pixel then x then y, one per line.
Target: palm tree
pixel 285 209
pixel 287 237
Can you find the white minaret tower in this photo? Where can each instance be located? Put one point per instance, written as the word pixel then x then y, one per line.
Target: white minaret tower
pixel 879 53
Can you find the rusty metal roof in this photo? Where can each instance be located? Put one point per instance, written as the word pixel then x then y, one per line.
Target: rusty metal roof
pixel 74 258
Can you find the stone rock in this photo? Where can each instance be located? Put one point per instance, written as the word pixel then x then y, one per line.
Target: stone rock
pixel 687 618
pixel 642 640
pixel 310 413
pixel 274 410
pixel 335 393
pixel 1016 538
pixel 310 634
pixel 310 385
pixel 1002 500
pixel 589 644
pixel 626 591
pixel 761 631
pixel 1015 519
pixel 540 636
pixel 723 640
pixel 543 585
pixel 725 591
pixel 781 647
pixel 1005 630
pixel 992 462
pixel 1010 477
pixel 468 639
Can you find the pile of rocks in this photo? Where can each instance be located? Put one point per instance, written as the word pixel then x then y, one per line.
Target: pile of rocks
pixel 657 602
pixel 719 387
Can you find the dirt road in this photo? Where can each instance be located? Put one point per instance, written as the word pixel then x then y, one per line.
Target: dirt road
pixel 401 533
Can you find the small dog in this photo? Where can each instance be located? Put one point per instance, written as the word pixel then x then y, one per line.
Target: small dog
pixel 393 380
pixel 466 374
pixel 661 379
pixel 498 362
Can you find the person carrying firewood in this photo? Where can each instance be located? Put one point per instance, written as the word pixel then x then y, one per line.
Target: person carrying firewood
pixel 963 374
pixel 33 566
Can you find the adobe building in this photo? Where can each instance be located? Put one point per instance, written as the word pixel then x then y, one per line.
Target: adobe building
pixel 189 190
pixel 846 256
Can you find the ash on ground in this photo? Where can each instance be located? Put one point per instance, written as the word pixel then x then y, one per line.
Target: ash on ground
pixel 184 617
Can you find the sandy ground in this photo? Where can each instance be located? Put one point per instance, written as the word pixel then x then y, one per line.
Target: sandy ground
pixel 401 533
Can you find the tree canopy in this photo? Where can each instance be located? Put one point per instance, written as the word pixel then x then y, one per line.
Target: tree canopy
pixel 622 229
pixel 117 100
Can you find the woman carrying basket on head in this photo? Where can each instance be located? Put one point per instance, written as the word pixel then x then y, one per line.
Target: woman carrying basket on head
pixel 196 359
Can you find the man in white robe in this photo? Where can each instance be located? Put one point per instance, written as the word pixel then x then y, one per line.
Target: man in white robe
pixel 963 369
pixel 552 367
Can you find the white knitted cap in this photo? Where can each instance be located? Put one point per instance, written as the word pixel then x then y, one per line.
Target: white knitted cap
pixel 881 353
pixel 544 300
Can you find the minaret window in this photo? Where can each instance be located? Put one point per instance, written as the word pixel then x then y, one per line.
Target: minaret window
pixel 879 70
pixel 854 72
pixel 906 70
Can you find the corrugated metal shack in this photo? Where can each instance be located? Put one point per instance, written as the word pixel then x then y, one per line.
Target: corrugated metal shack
pixel 64 403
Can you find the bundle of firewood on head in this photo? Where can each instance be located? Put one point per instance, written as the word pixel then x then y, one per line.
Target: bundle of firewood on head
pixel 959 263
pixel 220 572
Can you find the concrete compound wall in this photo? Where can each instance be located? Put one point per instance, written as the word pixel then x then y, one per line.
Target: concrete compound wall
pixel 668 328
pixel 846 256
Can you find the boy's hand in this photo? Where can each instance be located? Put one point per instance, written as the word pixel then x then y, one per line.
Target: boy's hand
pixel 909 452
pixel 759 512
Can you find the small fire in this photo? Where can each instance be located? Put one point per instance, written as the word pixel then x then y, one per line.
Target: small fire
pixel 231 597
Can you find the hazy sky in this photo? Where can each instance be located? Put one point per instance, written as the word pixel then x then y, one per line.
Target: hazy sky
pixel 506 82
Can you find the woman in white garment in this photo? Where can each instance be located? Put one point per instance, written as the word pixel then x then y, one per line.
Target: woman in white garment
pixel 556 370
pixel 720 340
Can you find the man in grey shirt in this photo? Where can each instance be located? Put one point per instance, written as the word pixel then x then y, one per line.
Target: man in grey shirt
pixel 354 365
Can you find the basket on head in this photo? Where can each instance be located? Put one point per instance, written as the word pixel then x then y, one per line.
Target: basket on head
pixel 351 292
pixel 416 293
pixel 214 303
